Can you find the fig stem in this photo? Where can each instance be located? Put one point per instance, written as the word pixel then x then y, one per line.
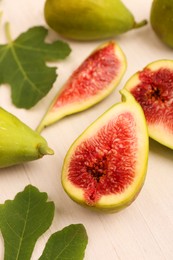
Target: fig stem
pixel 140 24
pixel 39 128
pixel 1 13
pixel 8 33
pixel 45 150
pixel 126 96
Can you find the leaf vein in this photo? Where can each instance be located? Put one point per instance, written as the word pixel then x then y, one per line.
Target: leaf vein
pixel 24 227
pixel 67 245
pixel 19 64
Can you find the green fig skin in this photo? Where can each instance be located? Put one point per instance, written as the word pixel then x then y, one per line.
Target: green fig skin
pixel 161 18
pixel 89 19
pixel 18 142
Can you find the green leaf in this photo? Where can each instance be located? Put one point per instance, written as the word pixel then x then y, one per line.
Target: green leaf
pixel 23 65
pixel 23 220
pixel 67 244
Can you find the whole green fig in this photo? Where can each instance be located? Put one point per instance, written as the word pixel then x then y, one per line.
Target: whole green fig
pixel 89 19
pixel 18 142
pixel 161 18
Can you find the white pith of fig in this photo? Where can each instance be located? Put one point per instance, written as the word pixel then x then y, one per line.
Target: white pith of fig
pixel 152 88
pixel 91 82
pixel 106 166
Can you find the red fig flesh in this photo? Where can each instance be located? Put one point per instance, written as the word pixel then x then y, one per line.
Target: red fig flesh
pixel 106 166
pixel 153 89
pixel 90 83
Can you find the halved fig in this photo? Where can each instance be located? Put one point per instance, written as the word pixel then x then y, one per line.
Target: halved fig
pixel 90 83
pixel 106 166
pixel 153 89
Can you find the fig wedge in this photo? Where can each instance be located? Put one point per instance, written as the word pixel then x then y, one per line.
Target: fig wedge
pixel 152 88
pixel 106 166
pixel 90 83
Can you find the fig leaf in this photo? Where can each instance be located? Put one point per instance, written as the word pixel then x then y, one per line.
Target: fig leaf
pixel 24 219
pixel 23 65
pixel 69 243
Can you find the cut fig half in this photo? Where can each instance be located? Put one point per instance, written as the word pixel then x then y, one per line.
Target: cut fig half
pixel 90 83
pixel 106 166
pixel 153 90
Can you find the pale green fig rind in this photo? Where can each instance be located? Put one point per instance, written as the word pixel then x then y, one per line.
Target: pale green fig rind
pixel 51 117
pixel 162 9
pixel 113 203
pixel 89 20
pixel 157 132
pixel 18 142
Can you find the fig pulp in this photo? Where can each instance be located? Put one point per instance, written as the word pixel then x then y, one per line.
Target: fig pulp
pixel 153 89
pixel 105 167
pixel 89 19
pixel 162 9
pixel 90 83
pixel 18 142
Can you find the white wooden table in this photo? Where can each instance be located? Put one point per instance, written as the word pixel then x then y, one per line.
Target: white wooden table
pixel 145 229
